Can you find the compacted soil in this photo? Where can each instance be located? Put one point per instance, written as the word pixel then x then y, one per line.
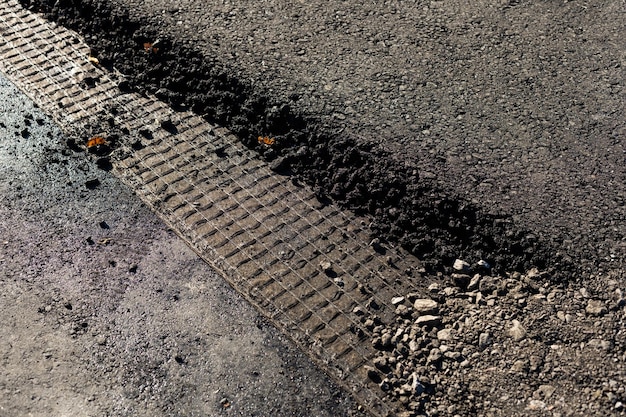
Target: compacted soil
pixel 490 131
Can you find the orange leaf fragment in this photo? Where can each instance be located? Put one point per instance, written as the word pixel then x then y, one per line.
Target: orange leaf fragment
pixel 95 141
pixel 266 140
pixel 150 47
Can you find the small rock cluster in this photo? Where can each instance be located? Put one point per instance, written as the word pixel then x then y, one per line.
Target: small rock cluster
pixel 429 356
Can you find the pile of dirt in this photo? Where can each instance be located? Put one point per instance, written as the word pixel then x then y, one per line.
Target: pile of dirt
pixel 433 223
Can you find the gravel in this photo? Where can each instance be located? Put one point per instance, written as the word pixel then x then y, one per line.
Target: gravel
pixel 477 357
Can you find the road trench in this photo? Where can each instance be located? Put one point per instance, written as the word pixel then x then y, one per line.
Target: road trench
pixel 308 266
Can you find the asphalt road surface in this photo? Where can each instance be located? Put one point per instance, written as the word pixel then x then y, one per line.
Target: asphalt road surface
pixel 490 130
pixel 106 312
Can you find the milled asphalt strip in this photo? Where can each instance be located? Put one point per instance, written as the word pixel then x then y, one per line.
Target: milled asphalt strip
pixel 267 236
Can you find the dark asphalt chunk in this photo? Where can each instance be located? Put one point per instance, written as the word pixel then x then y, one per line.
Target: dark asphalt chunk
pixel 92 184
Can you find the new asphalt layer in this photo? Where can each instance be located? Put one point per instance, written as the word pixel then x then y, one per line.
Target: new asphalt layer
pixel 487 131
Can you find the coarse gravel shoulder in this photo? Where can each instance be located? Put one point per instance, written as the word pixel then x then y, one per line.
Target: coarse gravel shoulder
pixel 492 130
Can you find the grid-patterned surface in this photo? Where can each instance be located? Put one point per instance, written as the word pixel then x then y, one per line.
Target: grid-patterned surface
pixel 267 236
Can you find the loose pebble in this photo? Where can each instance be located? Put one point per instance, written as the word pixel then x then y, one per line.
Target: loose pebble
pixel 425 306
pixel 444 335
pixel 596 308
pixel 397 300
pixel 484 340
pixel 517 331
pixel 460 265
pixel 326 266
pixel 428 320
